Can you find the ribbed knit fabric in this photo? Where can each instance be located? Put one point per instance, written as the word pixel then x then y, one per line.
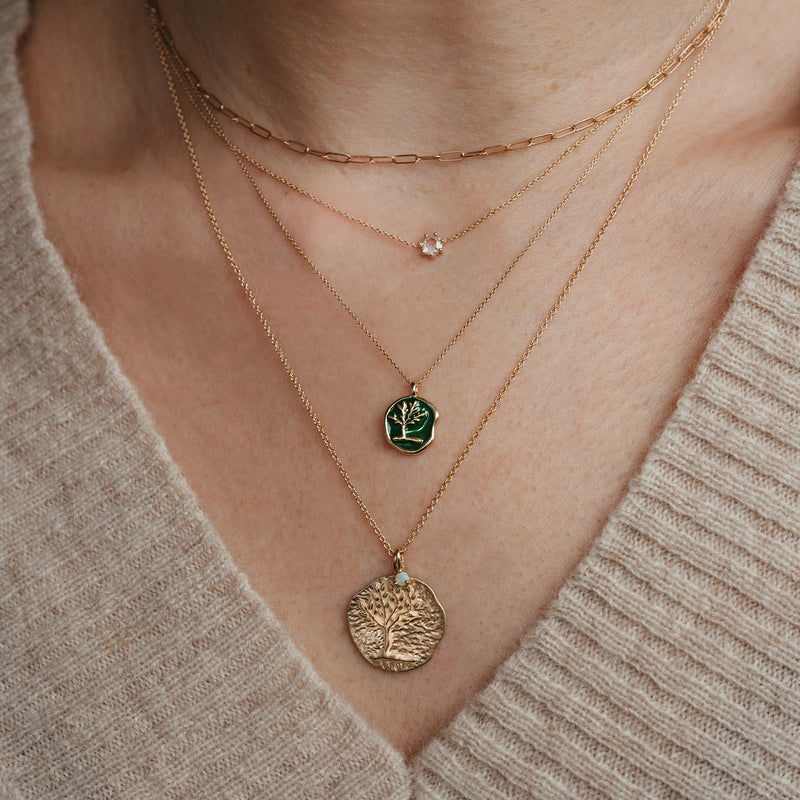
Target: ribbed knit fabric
pixel 135 662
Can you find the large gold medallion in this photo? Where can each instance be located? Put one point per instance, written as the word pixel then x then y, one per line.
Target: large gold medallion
pixel 396 622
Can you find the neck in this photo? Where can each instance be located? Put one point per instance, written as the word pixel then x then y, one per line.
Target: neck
pixel 421 76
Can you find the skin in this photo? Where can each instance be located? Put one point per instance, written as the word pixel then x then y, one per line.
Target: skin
pixel 120 202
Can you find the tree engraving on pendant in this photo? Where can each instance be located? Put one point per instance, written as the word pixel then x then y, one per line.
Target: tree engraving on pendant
pixel 409 423
pixel 396 625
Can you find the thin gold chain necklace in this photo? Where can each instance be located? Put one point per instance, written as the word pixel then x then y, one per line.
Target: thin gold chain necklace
pixel 409 422
pixel 396 622
pixel 452 155
pixel 432 244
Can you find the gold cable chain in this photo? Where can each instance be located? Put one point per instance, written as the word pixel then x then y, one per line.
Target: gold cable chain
pixel 453 155
pixel 214 125
pixel 543 325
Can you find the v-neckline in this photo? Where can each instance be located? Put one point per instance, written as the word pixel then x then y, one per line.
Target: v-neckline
pixel 184 506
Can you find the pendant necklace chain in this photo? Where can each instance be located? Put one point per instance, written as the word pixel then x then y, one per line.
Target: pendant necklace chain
pixel 396 621
pixel 410 421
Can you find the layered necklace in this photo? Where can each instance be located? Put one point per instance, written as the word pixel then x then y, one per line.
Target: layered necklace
pixel 396 621
pixel 409 421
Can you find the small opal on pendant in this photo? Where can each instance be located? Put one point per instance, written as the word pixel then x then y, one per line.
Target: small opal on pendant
pixel 432 245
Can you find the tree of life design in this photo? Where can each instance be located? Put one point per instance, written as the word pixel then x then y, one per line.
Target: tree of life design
pixel 410 423
pixel 396 627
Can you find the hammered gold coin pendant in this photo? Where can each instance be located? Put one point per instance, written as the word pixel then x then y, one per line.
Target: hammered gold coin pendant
pixel 396 622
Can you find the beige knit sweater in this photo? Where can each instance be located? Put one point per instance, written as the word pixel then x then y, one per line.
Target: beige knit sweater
pixel 135 662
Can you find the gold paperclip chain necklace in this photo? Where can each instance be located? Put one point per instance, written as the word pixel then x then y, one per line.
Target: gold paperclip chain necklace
pixel 396 622
pixel 452 155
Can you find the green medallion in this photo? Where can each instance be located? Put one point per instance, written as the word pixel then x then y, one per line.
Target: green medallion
pixel 409 424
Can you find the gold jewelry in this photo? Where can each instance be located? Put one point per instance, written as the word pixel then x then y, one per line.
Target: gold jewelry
pixel 396 622
pixel 432 244
pixel 409 422
pixel 453 155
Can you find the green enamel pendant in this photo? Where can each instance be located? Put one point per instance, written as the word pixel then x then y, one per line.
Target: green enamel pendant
pixel 410 422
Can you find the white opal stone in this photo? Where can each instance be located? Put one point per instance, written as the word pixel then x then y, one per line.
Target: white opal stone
pixel 432 245
pixel 401 578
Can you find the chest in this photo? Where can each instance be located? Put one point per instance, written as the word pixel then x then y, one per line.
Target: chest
pixel 527 501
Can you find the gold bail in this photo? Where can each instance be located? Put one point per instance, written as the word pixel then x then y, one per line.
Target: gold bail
pixel 414 389
pixel 398 562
